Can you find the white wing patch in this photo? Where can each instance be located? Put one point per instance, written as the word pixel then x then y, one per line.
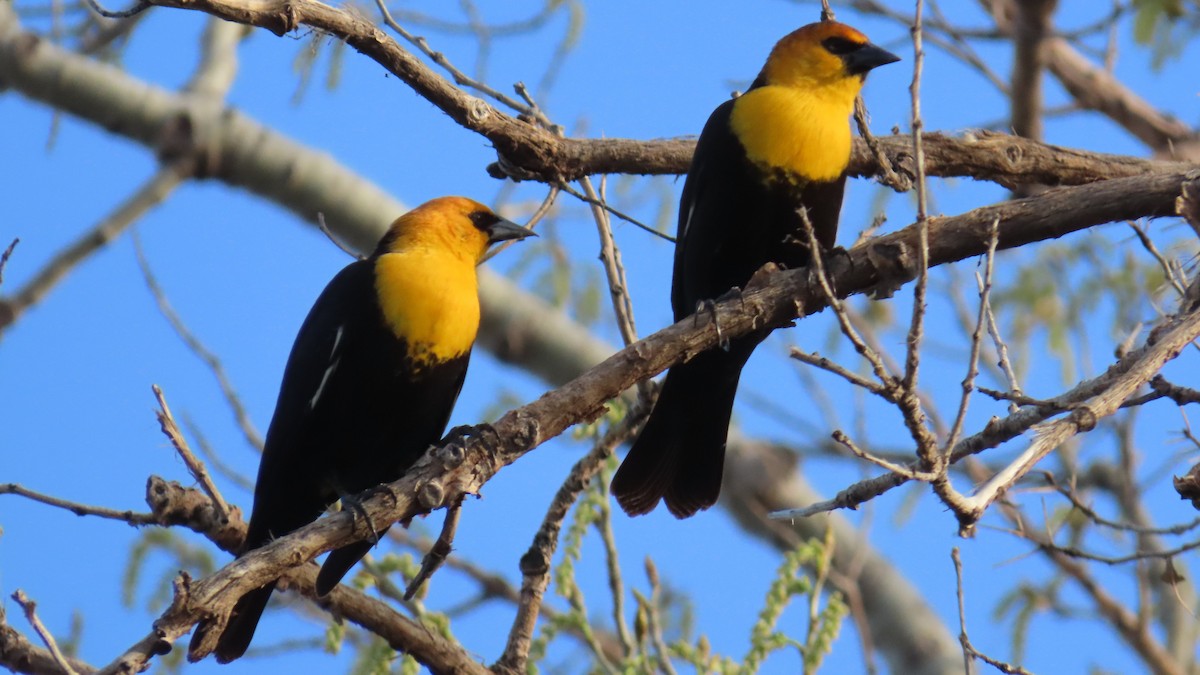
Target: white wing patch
pixel 334 360
pixel 688 221
pixel 691 208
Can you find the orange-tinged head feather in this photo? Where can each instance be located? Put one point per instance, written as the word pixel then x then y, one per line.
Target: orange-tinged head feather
pixel 802 58
pixel 456 226
pixel 425 275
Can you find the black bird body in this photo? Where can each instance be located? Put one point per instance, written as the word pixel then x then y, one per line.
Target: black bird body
pixel 370 383
pixel 781 147
pixel 351 409
pixel 733 219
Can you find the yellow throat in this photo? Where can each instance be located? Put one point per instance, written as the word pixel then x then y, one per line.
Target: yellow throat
pixel 430 298
pixel 803 132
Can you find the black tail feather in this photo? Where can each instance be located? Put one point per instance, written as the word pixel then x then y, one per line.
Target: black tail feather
pixel 240 630
pixel 650 466
pixel 680 455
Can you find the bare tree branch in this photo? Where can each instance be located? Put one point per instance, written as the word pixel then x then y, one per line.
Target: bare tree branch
pixel 20 655
pixel 132 517
pixel 30 608
pixel 149 195
pixel 1096 88
pixel 1030 28
pixel 447 474
pixel 39 69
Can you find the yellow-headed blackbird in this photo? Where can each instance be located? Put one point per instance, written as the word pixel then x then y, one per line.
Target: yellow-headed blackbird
pixel 370 383
pixel 781 147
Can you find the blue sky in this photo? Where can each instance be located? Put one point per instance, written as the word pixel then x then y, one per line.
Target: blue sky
pixel 75 400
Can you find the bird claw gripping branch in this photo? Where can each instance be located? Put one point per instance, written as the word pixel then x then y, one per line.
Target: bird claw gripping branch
pixel 711 307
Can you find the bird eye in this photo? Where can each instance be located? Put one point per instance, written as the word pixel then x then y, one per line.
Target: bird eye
pixel 483 219
pixel 840 46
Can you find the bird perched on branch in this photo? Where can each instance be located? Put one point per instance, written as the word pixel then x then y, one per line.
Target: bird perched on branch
pixel 763 158
pixel 370 383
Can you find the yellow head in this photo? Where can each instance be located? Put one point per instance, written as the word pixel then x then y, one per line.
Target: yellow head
pixel 425 275
pixel 795 118
pixel 454 226
pixel 827 58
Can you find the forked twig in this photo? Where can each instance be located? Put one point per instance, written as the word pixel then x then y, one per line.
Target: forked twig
pixel 194 465
pixel 193 343
pixel 30 608
pixel 969 651
pixel 535 563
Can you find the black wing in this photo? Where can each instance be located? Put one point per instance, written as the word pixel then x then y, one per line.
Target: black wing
pixel 734 218
pixel 289 491
pixel 352 411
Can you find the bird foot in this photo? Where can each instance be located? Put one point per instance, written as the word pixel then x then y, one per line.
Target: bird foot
pixel 354 504
pixel 462 435
pixel 711 306
pixel 454 443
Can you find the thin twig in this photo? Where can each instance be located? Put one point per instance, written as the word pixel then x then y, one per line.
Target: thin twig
pixel 1002 359
pixel 824 363
pixel 817 266
pixel 1076 552
pixel 542 211
pixel 150 194
pixel 1170 272
pixel 614 271
pixel 619 214
pixel 213 458
pixel 5 256
pixel 887 174
pixel 193 343
pixel 969 651
pixel 436 555
pixel 910 474
pixel 1180 529
pixel 535 563
pixel 137 8
pixel 194 465
pixel 460 78
pixel 613 566
pixel 962 612
pixel 131 517
pixel 916 328
pixel 653 605
pixel 985 289
pixel 827 11
pixel 30 608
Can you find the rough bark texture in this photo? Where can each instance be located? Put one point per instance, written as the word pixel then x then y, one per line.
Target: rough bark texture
pixel 519 328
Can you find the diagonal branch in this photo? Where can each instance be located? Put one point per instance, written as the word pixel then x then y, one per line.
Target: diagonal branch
pixel 20 655
pixel 446 475
pixel 535 563
pixel 1096 88
pixel 1135 370
pixel 146 197
pixel 534 152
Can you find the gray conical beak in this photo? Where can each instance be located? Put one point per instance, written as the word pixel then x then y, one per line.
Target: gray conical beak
pixel 861 61
pixel 504 230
